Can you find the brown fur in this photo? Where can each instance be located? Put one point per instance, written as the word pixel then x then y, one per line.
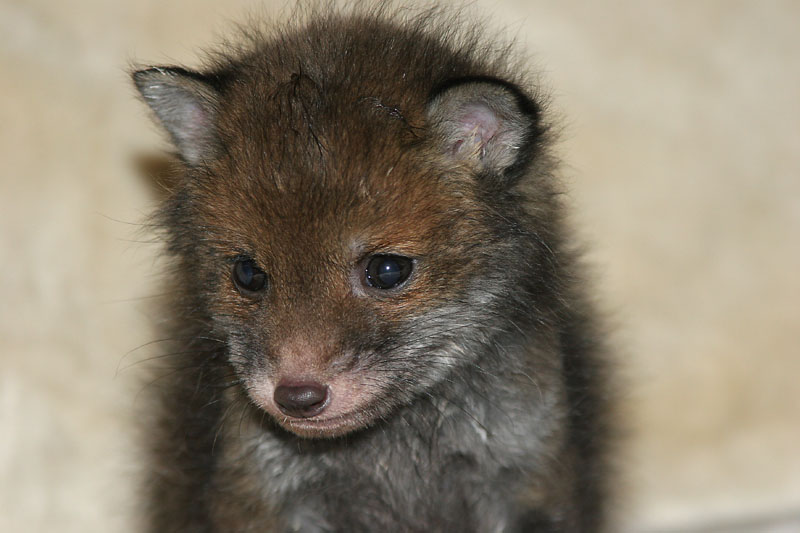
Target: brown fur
pixel 468 398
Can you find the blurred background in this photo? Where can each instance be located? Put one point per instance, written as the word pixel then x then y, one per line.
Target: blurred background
pixel 681 148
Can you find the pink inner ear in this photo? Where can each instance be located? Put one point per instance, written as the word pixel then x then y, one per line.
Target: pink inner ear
pixel 476 127
pixel 195 121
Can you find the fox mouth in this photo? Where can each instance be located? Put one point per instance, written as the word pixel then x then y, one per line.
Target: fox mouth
pixel 324 427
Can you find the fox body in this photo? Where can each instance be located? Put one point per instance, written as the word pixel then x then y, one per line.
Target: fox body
pixel 384 327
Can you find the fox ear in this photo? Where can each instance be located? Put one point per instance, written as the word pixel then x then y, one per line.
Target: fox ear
pixel 485 122
pixel 185 105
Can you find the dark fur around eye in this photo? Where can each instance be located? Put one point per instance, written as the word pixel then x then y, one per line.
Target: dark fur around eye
pixel 248 278
pixel 387 271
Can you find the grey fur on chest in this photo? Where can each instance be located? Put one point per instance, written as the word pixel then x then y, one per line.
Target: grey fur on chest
pixel 435 465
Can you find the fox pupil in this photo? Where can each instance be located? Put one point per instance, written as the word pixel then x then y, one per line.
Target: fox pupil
pixel 248 277
pixel 388 271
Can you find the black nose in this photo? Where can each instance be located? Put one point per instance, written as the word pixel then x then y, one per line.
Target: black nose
pixel 302 400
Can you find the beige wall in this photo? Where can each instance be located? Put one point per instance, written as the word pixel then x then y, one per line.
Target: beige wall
pixel 682 148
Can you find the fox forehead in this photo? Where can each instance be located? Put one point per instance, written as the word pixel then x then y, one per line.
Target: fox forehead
pixel 382 201
pixel 342 225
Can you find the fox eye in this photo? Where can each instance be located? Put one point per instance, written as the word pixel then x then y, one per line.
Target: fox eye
pixel 247 277
pixel 387 271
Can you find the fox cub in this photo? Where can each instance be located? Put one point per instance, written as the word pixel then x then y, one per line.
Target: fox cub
pixel 383 324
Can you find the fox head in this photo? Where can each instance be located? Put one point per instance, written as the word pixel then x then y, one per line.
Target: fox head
pixel 351 229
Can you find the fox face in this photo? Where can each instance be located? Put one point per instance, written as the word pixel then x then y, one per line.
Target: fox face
pixel 347 237
pixel 350 281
